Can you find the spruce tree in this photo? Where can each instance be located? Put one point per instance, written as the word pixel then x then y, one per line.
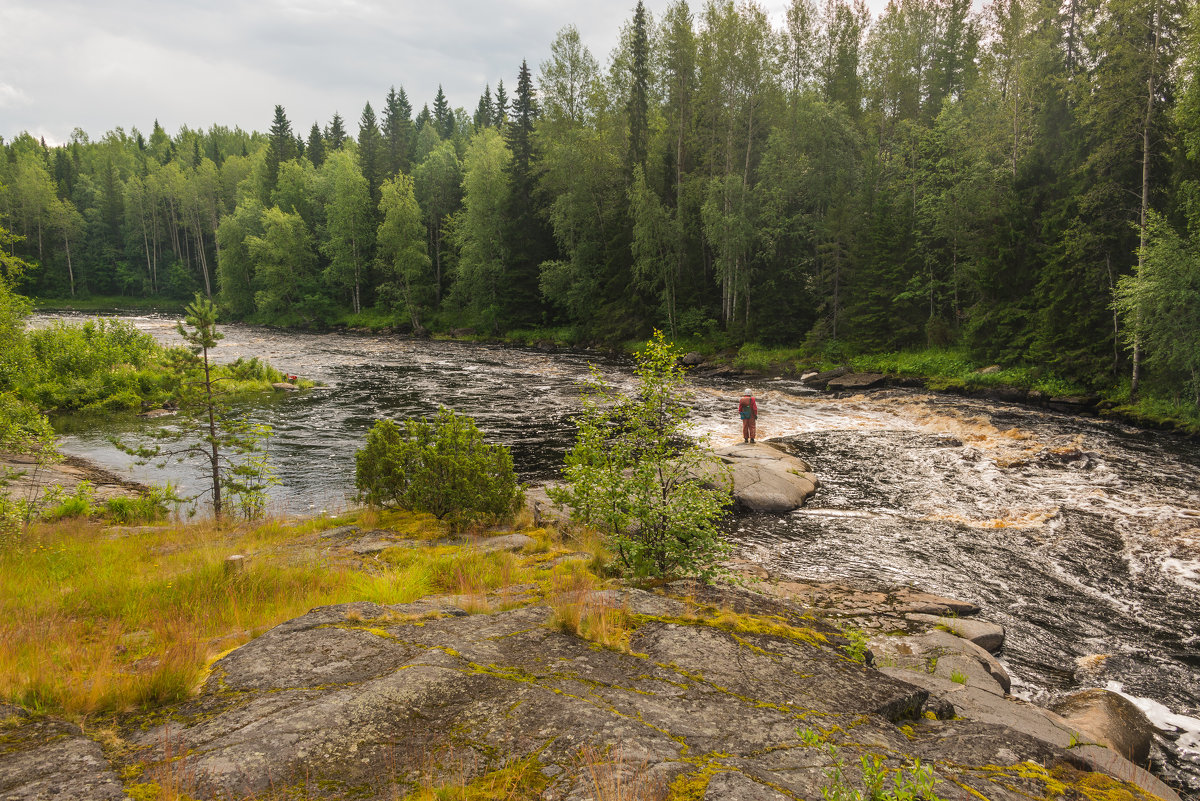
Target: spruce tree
pixel 527 238
pixel 637 108
pixel 370 152
pixel 335 132
pixel 316 146
pixel 501 107
pixel 443 116
pixel 397 132
pixel 484 112
pixel 281 146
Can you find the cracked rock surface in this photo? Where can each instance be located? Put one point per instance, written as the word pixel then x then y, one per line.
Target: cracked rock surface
pixel 729 693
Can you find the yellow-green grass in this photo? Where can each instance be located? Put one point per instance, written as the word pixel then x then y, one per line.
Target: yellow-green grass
pixel 96 620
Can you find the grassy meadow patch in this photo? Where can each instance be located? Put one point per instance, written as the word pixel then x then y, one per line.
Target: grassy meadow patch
pixel 96 618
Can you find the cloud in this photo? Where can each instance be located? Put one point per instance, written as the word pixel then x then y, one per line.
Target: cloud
pixel 11 96
pixel 126 63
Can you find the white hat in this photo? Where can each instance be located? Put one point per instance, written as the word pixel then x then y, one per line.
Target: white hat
pixel 748 392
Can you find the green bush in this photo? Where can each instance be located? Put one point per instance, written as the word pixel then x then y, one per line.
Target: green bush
pixel 637 476
pixel 153 506
pixel 440 466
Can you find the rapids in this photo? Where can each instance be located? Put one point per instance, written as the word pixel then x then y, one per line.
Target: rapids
pixel 1081 536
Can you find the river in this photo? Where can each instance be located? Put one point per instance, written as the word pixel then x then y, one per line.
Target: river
pixel 1081 536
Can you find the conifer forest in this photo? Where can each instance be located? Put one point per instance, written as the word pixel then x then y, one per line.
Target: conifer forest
pixel 1020 182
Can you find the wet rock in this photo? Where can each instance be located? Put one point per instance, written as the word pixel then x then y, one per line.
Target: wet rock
pixel 285 386
pixel 947 441
pixel 461 333
pixel 988 636
pixel 1074 404
pixel 691 359
pixel 1111 720
pixel 856 381
pixel 989 370
pixel 47 758
pixel 764 478
pixel 861 607
pixel 821 380
pixel 982 707
pixel 544 510
pixel 155 413
pixel 943 654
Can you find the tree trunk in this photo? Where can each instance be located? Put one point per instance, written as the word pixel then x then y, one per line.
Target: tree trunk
pixel 215 458
pixel 70 271
pixel 1136 377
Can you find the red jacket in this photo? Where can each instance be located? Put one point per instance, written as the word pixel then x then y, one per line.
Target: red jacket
pixel 748 400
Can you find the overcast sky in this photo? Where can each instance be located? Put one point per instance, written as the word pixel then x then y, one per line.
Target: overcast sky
pixel 99 64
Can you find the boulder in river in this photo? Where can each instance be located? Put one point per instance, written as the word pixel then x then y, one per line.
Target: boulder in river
pixel 822 379
pixel 1111 719
pixel 856 381
pixel 988 636
pixel 764 477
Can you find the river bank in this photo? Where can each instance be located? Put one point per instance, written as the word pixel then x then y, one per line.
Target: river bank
pixel 935 369
pixel 31 480
pixel 1078 533
pixel 540 680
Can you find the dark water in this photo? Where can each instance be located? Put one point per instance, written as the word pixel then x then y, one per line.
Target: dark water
pixel 1081 536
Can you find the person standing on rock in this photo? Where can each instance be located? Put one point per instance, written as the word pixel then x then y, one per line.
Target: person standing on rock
pixel 748 410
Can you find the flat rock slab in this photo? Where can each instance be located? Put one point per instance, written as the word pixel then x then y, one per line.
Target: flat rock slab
pixel 44 759
pixel 944 654
pixel 765 478
pixel 847 601
pixel 988 636
pixel 856 381
pixel 375 701
pixel 504 542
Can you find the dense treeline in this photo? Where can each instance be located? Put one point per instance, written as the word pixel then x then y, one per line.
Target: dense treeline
pixel 1024 183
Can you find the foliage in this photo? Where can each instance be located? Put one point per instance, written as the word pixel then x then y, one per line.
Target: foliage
pixel 856 647
pixel 407 281
pixel 24 432
pixel 913 782
pixel 635 475
pixel 1160 303
pixel 442 466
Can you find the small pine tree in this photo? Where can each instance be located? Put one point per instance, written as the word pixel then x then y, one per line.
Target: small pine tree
pixel 230 449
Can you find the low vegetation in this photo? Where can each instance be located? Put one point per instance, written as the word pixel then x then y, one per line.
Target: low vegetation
pixel 636 475
pixel 441 466
pixel 96 619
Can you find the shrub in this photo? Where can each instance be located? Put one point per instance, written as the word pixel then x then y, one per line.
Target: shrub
pixel 440 466
pixel 153 506
pixel 636 475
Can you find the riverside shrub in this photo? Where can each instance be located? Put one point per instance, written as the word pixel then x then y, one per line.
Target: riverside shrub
pixel 635 473
pixel 441 466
